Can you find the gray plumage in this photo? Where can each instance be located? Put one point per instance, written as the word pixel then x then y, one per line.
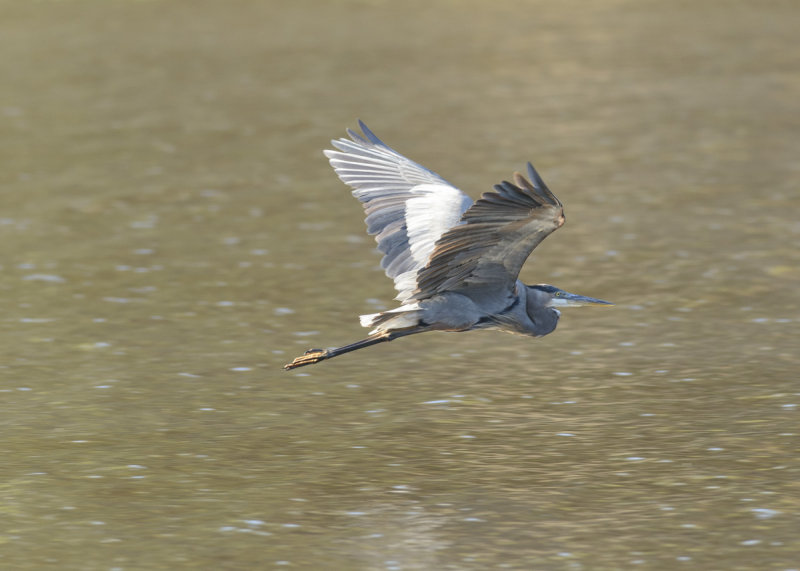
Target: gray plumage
pixel 454 262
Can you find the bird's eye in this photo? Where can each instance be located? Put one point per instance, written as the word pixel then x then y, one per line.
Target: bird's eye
pixel 558 294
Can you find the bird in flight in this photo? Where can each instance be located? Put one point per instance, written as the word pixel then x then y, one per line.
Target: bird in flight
pixel 454 262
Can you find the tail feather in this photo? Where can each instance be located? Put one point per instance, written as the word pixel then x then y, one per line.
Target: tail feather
pixel 402 317
pixel 368 318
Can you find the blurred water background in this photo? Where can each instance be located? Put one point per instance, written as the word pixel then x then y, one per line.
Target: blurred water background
pixel 172 235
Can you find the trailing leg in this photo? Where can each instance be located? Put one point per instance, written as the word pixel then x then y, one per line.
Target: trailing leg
pixel 316 355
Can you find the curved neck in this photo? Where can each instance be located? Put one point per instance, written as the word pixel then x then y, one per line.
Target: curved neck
pixel 544 318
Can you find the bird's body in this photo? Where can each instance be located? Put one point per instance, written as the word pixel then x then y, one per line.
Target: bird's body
pixel 454 262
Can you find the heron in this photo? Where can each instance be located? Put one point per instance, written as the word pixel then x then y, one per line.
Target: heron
pixel 454 262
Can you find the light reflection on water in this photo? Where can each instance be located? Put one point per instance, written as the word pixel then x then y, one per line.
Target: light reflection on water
pixel 173 236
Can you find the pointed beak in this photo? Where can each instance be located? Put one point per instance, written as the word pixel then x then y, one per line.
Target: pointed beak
pixel 567 299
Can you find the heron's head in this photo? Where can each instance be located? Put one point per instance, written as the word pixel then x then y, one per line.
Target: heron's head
pixel 551 296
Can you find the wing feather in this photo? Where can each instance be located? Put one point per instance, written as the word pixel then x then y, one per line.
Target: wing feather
pixel 408 207
pixel 482 257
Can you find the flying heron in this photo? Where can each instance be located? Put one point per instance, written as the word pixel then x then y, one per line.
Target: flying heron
pixel 454 262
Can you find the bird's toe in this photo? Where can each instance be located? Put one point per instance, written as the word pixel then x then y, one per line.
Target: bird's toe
pixel 308 358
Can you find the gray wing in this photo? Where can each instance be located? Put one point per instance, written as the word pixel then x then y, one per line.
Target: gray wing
pixel 483 256
pixel 408 207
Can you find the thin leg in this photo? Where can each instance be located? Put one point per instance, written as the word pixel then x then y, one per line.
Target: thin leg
pixel 316 355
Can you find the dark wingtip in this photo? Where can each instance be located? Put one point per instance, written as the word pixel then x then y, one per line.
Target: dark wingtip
pixel 537 181
pixel 505 187
pixel 521 181
pixel 370 135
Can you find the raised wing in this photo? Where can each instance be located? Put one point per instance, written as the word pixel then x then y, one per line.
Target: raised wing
pixel 408 207
pixel 482 257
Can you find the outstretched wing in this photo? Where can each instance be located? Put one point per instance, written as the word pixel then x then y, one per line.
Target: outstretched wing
pixel 483 256
pixel 408 207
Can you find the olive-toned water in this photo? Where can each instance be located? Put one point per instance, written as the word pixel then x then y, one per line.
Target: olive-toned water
pixel 172 235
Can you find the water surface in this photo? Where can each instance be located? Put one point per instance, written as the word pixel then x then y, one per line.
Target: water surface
pixel 172 236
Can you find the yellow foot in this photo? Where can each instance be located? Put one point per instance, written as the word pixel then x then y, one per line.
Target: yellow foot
pixel 308 358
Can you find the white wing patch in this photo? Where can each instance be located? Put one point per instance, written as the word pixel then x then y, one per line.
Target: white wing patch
pixel 437 209
pixel 398 318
